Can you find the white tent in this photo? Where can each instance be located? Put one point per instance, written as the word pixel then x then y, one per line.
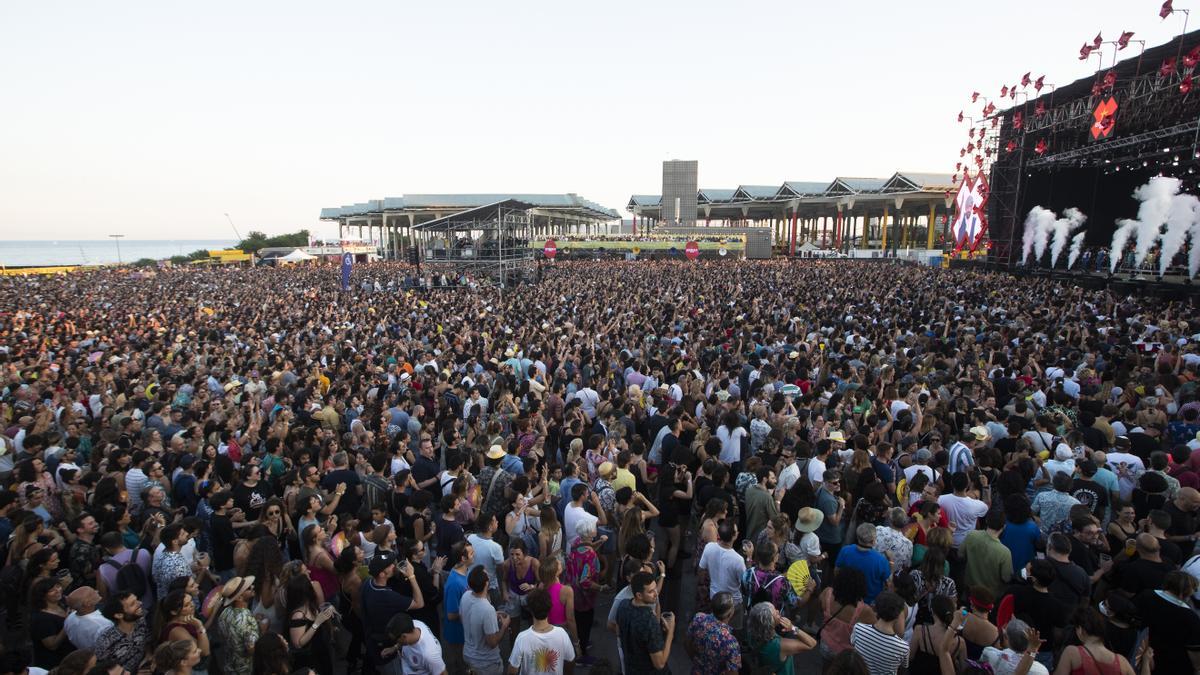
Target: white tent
pixel 296 256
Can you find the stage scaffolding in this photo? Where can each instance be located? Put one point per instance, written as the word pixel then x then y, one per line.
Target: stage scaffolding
pixel 490 241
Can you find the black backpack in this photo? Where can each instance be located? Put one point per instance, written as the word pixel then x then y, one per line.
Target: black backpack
pixel 131 578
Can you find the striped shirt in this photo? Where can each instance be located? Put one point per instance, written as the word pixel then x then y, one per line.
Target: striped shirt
pixel 961 458
pixel 883 653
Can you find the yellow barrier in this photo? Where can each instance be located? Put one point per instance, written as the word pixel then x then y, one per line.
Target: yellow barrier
pixel 23 271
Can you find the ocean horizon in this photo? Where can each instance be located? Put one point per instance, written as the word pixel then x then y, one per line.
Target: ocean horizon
pixel 45 252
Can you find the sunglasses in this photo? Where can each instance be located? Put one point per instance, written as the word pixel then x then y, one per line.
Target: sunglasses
pixel 273 513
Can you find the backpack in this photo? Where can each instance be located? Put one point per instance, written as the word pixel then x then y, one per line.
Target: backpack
pixel 131 578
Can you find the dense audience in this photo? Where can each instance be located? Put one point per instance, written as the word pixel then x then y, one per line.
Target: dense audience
pixel 743 466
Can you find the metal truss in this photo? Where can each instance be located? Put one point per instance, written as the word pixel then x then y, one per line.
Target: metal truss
pixel 1089 151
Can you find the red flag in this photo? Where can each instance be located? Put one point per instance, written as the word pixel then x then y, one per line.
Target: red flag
pixel 970 147
pixel 974 96
pixel 1039 83
pixel 1167 67
pixel 989 109
pixel 962 152
pixel 1025 79
pixel 1110 78
pixel 1085 51
pixel 1096 88
pixel 978 160
pixel 954 179
pixel 1040 148
pixel 1039 109
pixel 1018 120
pixel 1123 41
pixel 960 116
pixel 1166 9
pixel 1192 58
pixel 1097 41
pixel 1185 86
pixel 1012 145
pixel 1012 92
pixel 995 121
pixel 957 166
pixel 971 133
pixel 1003 91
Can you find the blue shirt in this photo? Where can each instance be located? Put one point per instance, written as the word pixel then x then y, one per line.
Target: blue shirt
pixel 827 532
pixel 456 585
pixel 1021 541
pixel 873 564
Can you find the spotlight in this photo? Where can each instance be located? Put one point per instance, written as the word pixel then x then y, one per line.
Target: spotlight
pixel 1176 158
pixel 1145 163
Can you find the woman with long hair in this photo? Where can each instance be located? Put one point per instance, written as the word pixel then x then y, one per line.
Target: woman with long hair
pixel 843 606
pixel 350 568
pixel 318 560
pixel 175 620
pixel 276 522
pixel 265 563
pixel 47 623
pixel 931 578
pixel 271 655
pixel 562 598
pixel 310 634
pixel 550 535
pixel 518 575
pixel 177 657
pixel 927 639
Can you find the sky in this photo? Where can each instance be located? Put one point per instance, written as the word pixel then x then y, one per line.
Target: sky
pixel 154 119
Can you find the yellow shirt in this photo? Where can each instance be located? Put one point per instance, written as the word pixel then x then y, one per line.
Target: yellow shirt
pixel 624 479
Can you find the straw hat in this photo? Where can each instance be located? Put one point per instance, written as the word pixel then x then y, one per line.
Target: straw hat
pixel 809 519
pixel 495 452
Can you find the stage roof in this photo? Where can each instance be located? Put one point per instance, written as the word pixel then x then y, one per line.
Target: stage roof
pixel 569 203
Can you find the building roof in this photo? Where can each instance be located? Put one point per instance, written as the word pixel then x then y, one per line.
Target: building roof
pixel 755 192
pixel 801 188
pixel 708 195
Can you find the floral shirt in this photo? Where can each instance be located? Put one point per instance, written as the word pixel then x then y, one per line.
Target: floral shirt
pixel 167 567
pixel 240 631
pixel 893 544
pixel 756 582
pixel 127 650
pixel 607 495
pixel 1052 507
pixel 716 649
pixel 583 573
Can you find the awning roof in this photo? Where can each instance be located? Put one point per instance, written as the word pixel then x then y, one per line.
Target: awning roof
pixel 458 202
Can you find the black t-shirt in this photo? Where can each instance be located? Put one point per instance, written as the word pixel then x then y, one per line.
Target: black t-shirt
pixel 1085 556
pixel 641 635
pixel 1137 575
pixel 1173 631
pixel 448 532
pixel 379 605
pixel 41 626
pixel 423 469
pixel 1090 494
pixel 1041 610
pixel 351 500
pixel 1072 587
pixel 251 499
pixel 223 537
pixel 1182 524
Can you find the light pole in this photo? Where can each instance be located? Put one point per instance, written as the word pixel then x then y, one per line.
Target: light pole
pixel 117 238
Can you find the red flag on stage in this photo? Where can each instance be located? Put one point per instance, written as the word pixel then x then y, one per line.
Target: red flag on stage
pixel 1167 67
pixel 1025 79
pixel 1085 51
pixel 1123 41
pixel 1018 120
pixel 978 160
pixel 1097 41
pixel 960 116
pixel 1039 109
pixel 989 109
pixel 995 122
pixel 1110 78
pixel 1003 91
pixel 1012 145
pixel 1039 83
pixel 1096 88
pixel 1040 148
pixel 1012 92
pixel 962 152
pixel 957 166
pixel 974 96
pixel 1186 85
pixel 970 147
pixel 1166 9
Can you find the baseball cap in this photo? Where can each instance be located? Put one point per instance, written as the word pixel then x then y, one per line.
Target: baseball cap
pixel 381 561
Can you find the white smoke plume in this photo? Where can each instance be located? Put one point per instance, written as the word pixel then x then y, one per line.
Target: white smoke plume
pixel 1125 228
pixel 1155 198
pixel 1194 251
pixel 1181 218
pixel 1072 220
pixel 1036 215
pixel 1043 223
pixel 1076 249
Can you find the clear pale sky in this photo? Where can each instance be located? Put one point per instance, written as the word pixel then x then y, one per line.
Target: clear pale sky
pixel 156 118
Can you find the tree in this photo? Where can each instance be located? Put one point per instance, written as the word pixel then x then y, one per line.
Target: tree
pixel 145 262
pixel 256 241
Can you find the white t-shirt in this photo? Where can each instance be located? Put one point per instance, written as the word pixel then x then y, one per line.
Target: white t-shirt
pixel 816 471
pixel 425 656
pixel 489 554
pixel 731 443
pixel 1129 468
pixel 725 568
pixel 1005 661
pixel 82 631
pixel 541 653
pixel 572 517
pixel 962 512
pixel 789 476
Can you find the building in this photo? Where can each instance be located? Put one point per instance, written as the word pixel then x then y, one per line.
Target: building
pixel 394 221
pixel 886 213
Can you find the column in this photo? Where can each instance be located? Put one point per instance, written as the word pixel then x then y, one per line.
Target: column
pixel 866 226
pixel 883 227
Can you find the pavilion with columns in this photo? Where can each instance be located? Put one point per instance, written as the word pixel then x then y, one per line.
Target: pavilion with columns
pixel 886 213
pixel 394 221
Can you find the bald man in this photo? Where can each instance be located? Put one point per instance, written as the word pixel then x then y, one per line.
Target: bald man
pixel 1144 571
pixel 84 624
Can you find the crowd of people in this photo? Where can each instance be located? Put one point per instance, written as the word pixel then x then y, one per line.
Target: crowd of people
pixel 740 466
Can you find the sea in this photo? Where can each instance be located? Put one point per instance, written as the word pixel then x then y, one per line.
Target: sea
pixel 99 251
